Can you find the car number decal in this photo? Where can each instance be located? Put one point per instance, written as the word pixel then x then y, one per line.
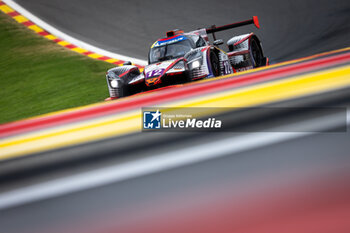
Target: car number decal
pixel 227 67
pixel 153 73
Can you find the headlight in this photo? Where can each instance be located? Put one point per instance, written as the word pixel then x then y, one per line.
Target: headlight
pixel 114 83
pixel 196 64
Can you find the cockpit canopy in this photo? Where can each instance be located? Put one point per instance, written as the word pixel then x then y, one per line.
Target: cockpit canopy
pixel 169 48
pixel 173 47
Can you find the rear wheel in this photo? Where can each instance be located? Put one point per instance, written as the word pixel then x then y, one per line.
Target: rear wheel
pixel 256 53
pixel 215 65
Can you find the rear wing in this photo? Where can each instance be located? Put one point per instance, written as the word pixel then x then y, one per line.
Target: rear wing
pixel 214 28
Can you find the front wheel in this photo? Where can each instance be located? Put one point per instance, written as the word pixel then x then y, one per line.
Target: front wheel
pixel 188 76
pixel 215 65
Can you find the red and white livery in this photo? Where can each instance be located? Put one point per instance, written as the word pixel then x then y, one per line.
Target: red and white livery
pixel 187 56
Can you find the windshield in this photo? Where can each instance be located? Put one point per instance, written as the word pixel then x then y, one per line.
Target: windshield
pixel 169 51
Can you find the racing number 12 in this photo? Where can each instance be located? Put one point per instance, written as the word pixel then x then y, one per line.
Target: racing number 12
pixel 153 73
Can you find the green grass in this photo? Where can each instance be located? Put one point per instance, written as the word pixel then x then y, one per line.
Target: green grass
pixel 38 76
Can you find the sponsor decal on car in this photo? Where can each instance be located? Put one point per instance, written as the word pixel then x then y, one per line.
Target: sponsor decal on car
pixel 155 72
pixel 168 41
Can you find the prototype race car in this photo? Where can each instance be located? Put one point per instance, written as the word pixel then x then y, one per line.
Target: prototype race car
pixel 183 57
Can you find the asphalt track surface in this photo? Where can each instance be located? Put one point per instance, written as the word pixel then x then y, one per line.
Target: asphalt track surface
pixel 289 30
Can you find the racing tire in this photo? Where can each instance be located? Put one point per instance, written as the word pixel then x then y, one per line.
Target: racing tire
pixel 188 76
pixel 122 90
pixel 256 53
pixel 215 64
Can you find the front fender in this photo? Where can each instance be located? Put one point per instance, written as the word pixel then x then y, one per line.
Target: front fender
pixel 119 78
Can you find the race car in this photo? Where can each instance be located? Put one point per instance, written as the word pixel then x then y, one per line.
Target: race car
pixel 183 57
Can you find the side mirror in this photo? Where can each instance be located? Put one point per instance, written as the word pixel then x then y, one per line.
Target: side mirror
pixel 127 63
pixel 218 42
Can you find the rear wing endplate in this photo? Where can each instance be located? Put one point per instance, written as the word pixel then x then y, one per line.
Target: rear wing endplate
pixel 214 28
